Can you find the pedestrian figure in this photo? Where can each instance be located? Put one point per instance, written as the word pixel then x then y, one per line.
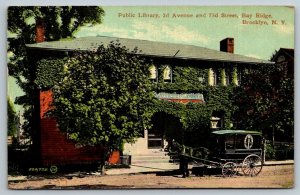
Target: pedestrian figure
pixel 183 164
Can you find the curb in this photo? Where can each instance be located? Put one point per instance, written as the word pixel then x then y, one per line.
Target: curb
pixel 278 164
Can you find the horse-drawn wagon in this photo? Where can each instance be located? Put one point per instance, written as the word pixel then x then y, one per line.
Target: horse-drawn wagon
pixel 232 151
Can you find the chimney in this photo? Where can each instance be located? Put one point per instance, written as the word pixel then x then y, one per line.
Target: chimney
pixel 227 45
pixel 40 31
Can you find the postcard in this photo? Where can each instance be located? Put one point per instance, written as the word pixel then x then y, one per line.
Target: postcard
pixel 148 97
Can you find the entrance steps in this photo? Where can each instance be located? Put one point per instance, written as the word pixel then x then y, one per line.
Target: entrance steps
pixel 151 156
pixel 152 160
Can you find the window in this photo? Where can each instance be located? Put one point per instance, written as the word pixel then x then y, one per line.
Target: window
pixel 230 141
pixel 219 118
pixel 215 76
pixel 167 74
pixel 239 76
pixel 153 73
pixel 228 75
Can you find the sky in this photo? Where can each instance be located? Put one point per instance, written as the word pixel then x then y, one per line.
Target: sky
pixel 252 40
pixel 202 26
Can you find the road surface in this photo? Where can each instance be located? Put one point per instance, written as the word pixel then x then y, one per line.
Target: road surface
pixel 270 177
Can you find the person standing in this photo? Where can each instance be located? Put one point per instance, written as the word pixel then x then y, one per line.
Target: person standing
pixel 183 164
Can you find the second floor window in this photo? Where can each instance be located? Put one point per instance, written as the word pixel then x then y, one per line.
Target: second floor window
pixel 216 76
pixel 228 75
pixel 167 74
pixel 213 77
pixel 153 73
pixel 239 76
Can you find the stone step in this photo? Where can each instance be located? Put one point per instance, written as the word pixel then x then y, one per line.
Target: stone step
pixel 149 157
pixel 166 158
pixel 151 160
pixel 152 154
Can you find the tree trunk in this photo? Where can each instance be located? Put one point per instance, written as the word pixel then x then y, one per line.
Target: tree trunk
pixel 103 160
pixel 40 30
pixel 102 168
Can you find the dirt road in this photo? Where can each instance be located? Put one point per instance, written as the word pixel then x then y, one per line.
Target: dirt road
pixel 270 177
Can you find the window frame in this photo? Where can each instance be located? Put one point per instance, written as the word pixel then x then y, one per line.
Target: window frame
pixel 156 73
pixel 170 79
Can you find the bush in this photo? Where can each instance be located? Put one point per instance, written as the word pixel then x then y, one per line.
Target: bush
pixel 270 152
pixel 280 151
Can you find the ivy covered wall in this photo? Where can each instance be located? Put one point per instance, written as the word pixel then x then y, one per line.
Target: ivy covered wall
pixel 193 77
pixel 188 76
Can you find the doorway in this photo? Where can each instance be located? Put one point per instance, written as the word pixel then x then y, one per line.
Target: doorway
pixel 165 127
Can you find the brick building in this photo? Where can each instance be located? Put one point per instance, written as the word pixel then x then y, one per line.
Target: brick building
pixel 207 68
pixel 285 56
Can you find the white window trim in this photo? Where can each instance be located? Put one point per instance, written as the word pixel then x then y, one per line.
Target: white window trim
pixel 170 74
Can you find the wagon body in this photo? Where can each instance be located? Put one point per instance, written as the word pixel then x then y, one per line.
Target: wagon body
pixel 235 145
pixel 232 151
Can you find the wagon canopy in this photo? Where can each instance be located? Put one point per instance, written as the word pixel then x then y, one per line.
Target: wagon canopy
pixel 241 132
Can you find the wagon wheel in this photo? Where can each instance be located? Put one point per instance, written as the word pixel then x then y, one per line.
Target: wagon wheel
pixel 229 169
pixel 252 165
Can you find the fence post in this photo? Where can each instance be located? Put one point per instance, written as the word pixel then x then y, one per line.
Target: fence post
pixel 263 151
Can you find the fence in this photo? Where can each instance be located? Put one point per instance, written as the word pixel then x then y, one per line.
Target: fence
pixel 279 151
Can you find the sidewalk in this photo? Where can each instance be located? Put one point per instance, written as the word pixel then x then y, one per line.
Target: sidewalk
pixel 282 162
pixel 160 167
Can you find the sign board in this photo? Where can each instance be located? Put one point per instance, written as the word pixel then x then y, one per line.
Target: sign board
pixel 181 97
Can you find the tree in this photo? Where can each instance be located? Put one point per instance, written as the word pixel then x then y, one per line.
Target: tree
pixel 105 97
pixel 58 23
pixel 12 118
pixel 265 101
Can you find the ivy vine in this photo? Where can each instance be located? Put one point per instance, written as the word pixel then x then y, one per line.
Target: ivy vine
pixel 194 117
pixel 49 72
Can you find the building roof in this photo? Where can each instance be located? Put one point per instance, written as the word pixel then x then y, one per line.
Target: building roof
pixel 148 48
pixel 227 132
pixel 288 51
